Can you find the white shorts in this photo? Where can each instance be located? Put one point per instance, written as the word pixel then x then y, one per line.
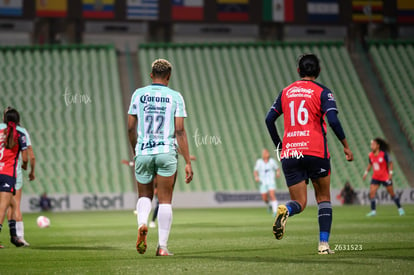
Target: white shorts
pixel 267 186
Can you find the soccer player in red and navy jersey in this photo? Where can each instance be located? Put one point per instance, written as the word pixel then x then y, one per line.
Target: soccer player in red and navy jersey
pixel 12 142
pixel 304 151
pixel 382 165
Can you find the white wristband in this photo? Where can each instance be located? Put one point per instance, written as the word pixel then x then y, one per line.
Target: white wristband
pixel 391 172
pixel 365 173
pixel 131 163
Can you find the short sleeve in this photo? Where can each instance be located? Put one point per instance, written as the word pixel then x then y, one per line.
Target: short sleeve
pixel 256 166
pixel 387 157
pixel 328 102
pixel 274 163
pixel 180 110
pixel 277 105
pixel 28 140
pixel 22 142
pixel 133 107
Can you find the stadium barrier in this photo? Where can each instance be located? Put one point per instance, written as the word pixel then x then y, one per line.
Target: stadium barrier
pixel 127 201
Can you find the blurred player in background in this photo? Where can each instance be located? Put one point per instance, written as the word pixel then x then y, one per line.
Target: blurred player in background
pixel 305 104
pixel 381 163
pixel 155 122
pixel 265 171
pixel 16 199
pixel 12 141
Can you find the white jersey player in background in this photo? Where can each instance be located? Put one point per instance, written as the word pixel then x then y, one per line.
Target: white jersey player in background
pixel 265 171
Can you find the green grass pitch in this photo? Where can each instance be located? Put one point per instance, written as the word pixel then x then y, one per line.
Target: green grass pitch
pixel 216 241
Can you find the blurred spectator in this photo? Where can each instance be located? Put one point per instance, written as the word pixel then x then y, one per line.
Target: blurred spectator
pixel 348 194
pixel 44 202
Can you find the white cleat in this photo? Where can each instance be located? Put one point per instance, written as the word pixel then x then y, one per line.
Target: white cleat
pixel 24 242
pixel 152 225
pixel 323 248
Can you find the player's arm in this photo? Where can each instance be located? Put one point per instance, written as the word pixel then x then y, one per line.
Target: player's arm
pixel 24 159
pixel 132 130
pixel 331 112
pixel 191 156
pixel 274 112
pixel 182 141
pixel 23 147
pixel 256 176
pixel 278 173
pixel 390 165
pixel 32 160
pixel 367 170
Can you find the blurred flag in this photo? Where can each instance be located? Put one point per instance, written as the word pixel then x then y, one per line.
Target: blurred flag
pixel 278 10
pixel 11 7
pixel 142 9
pixel 326 11
pixel 101 9
pixel 51 8
pixel 367 11
pixel 187 10
pixel 233 10
pixel 405 11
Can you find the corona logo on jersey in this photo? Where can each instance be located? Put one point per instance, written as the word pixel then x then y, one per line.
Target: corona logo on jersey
pixel 147 98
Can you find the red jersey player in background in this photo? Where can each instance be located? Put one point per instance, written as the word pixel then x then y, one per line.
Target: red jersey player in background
pixel 12 142
pixel 304 155
pixel 381 163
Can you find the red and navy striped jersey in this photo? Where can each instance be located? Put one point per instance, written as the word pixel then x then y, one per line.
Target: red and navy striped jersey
pixel 9 157
pixel 379 165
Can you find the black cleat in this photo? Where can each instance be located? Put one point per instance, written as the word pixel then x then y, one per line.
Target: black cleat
pixel 15 240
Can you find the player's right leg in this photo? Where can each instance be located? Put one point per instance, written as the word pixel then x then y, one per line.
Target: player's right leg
pixel 323 198
pixel 372 193
pixel 144 173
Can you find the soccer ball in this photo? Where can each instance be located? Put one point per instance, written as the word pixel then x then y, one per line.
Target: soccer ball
pixel 43 222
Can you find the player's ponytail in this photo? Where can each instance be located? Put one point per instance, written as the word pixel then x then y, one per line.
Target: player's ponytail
pixel 11 118
pixel 383 145
pixel 308 65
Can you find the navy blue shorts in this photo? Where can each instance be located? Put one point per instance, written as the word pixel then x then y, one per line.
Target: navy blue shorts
pixel 379 182
pixel 7 184
pixel 305 168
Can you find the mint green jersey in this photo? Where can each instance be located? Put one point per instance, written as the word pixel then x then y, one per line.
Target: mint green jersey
pixel 156 107
pixel 19 175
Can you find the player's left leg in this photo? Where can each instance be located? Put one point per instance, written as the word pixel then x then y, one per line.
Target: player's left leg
pixel 5 200
pixel 298 196
pixel 323 198
pixel 263 193
pixel 273 201
pixel 396 199
pixel 165 215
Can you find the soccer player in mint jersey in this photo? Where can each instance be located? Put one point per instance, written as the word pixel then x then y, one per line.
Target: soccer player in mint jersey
pixel 382 166
pixel 304 152
pixel 155 123
pixel 265 171
pixel 12 142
